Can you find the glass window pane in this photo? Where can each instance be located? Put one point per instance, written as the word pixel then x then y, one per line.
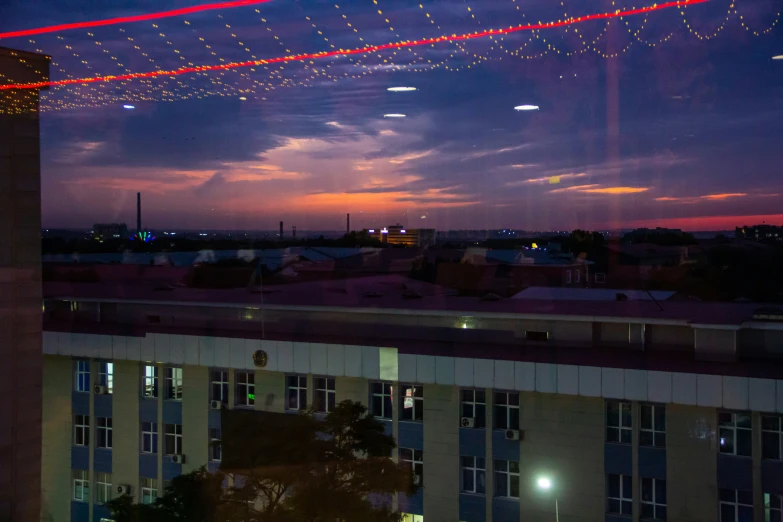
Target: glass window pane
pixel 770 423
pixel 743 420
pixel 660 418
pixel 625 436
pixel 727 513
pixel 481 486
pixel 627 485
pixel 727 495
pixel 646 417
pixel 501 398
pixel 467 480
pixel 613 505
pixel 513 399
pixel 513 466
pixel 745 497
pixel 613 485
pixel 627 507
pixel 480 463
pixel 745 514
pixel 660 491
pixel 514 488
pixel 612 414
pixel 647 511
pixel 744 442
pixel 646 438
pixel 647 490
pixel 480 396
pixel 726 440
pixel 725 419
pixel 501 486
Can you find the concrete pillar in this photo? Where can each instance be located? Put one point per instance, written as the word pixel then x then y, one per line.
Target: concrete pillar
pixel 21 370
pixel 195 417
pixel 490 462
pixel 351 389
pixel 270 391
pixel 126 429
pixel 57 431
pixel 441 452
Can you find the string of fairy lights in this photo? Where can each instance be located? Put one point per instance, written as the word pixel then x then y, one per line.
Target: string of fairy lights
pixel 257 82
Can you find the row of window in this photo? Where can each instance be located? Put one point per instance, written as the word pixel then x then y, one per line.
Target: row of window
pixel 148 488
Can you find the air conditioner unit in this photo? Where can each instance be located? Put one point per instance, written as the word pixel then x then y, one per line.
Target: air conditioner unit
pixel 178 459
pixel 99 389
pixel 215 405
pixel 512 435
pixel 122 489
pixel 417 480
pixel 468 422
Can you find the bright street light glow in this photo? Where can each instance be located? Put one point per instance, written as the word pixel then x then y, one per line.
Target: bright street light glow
pixel 778 57
pixel 393 115
pixel 526 108
pixel 401 89
pixel 128 107
pixel 544 483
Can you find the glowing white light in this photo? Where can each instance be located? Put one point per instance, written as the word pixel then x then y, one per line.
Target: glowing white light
pixel 242 98
pixel 401 89
pixel 526 108
pixel 371 231
pixel 129 107
pixel 402 231
pixel 393 115
pixel 778 57
pixel 385 231
pixel 544 483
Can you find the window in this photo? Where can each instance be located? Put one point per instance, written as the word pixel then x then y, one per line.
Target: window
pixel 619 494
pixel 771 437
pixel 619 422
pixel 653 428
pixel 653 499
pixel 81 430
pixel 104 428
pixel 149 490
pixel 474 405
pixel 106 376
pixel 82 376
pixel 578 276
pixel 473 475
pixel 568 277
pixel 102 487
pixel 735 505
pixel 324 397
pixel 150 388
pixel 408 517
pixel 149 437
pixel 81 485
pixel 411 403
pixel 381 400
pixel 736 433
pixel 773 507
pixel 415 459
pixel 220 386
pixel 296 391
pixel 246 388
pixel 507 478
pixel 600 278
pixel 215 445
pixel 173 439
pixel 507 410
pixel 531 335
pixel 174 383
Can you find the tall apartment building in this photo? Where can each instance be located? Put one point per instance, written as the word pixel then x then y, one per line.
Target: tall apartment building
pixel 632 412
pixel 20 287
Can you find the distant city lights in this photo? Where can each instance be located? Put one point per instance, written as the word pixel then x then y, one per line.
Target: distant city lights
pixel 371 231
pixel 243 98
pixel 526 108
pixel 128 107
pixel 401 89
pixel 384 231
pixel 402 231
pixel 144 237
pixel 394 115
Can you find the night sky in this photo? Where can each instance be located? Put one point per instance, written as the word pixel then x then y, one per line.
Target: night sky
pixel 683 129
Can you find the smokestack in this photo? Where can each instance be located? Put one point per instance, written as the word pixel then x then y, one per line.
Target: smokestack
pixel 281 230
pixel 347 223
pixel 138 212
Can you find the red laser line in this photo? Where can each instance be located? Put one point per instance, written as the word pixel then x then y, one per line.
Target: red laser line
pixel 348 52
pixel 130 19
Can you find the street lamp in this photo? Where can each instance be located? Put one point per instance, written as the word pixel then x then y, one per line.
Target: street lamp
pixel 545 484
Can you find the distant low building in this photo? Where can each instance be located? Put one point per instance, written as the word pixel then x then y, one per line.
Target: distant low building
pixel 760 233
pixel 399 235
pixel 110 230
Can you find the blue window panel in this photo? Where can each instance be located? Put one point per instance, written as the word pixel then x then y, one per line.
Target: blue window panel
pixel 413 504
pixel 103 406
pixel 214 419
pixel 410 435
pixel 101 460
pixel 735 472
pixel 148 466
pixel 472 508
pixel 618 459
pixel 172 412
pixel 213 467
pixel 80 457
pixel 652 463
pixel 148 410
pixel 80 403
pixel 618 518
pixel 772 476
pixel 99 512
pixel 503 449
pixel 505 510
pixel 472 443
pixel 170 470
pixel 387 426
pixel 80 511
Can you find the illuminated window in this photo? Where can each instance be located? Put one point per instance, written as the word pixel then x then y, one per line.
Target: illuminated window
pixel 506 410
pixel 173 383
pixel 736 433
pixel 245 388
pixel 653 426
pixel 103 426
pixel 149 437
pixel 507 478
pixel 415 459
pixel 81 430
pixel 215 445
pixel 474 406
pixel 82 378
pixel 173 439
pixel 473 475
pixel 407 517
pixel 411 403
pixel 106 376
pixel 619 494
pixel 735 505
pixel 773 507
pixel 771 437
pixel 102 487
pixel 653 495
pixel 619 422
pixel 220 386
pixel 296 392
pixel 150 385
pixel 149 490
pixel 81 485
pixel 381 400
pixel 324 394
